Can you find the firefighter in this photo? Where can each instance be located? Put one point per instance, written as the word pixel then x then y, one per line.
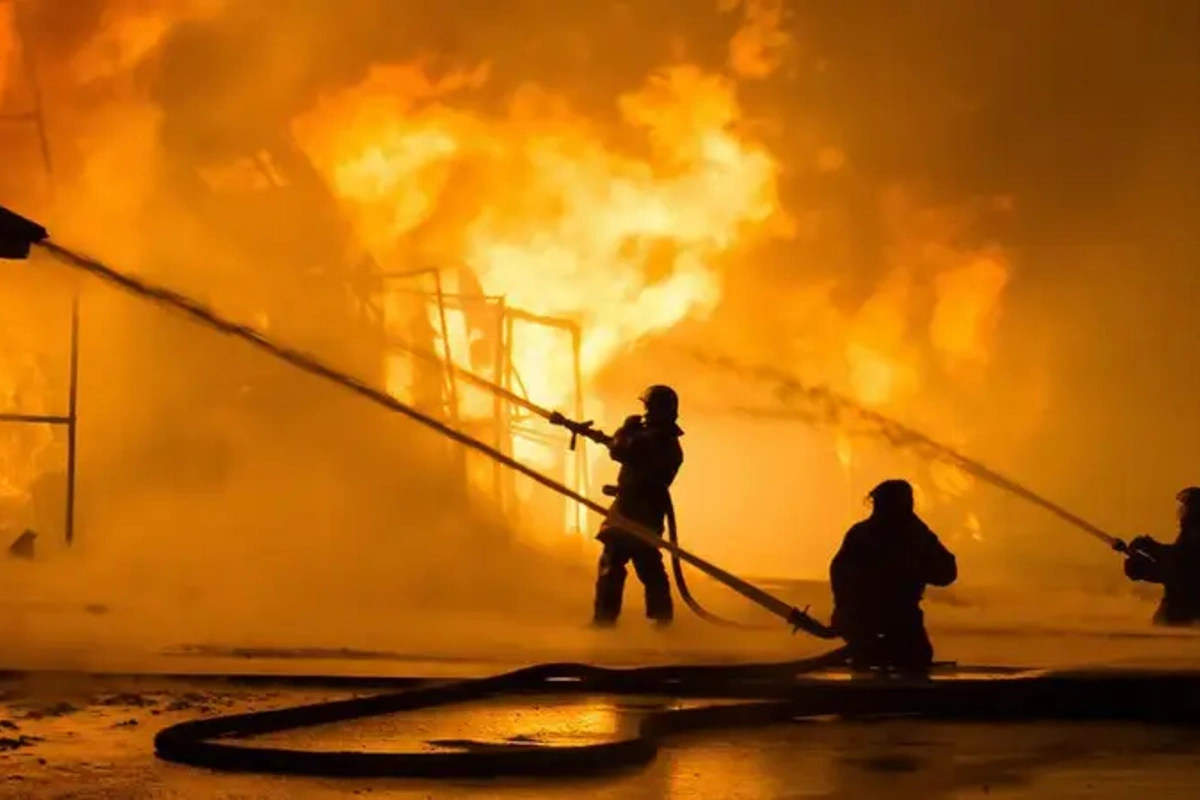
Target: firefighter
pixel 878 578
pixel 1176 566
pixel 648 450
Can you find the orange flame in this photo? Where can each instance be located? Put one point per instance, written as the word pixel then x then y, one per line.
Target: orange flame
pixel 932 315
pixel 8 48
pixel 967 307
pixel 128 32
pixel 756 50
pixel 543 211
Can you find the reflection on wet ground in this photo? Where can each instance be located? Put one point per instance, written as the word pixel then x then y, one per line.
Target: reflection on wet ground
pixel 93 740
pixel 68 735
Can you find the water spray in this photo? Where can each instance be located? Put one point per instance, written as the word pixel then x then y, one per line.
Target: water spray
pixel 830 408
pixel 769 693
pixel 19 235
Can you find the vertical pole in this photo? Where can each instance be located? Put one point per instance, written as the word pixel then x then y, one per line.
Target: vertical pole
pixel 510 481
pixel 72 419
pixel 581 469
pixel 29 60
pixel 499 408
pixel 30 64
pixel 451 382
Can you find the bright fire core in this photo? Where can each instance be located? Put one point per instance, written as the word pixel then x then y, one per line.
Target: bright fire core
pixel 544 213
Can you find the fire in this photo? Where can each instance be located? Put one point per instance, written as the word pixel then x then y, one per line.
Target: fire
pixel 933 315
pixel 8 49
pixel 23 390
pixel 968 306
pixel 129 31
pixel 543 211
pixel 756 50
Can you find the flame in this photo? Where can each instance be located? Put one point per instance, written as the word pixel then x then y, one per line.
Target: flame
pixel 756 50
pixel 8 46
pixel 925 331
pixel 128 32
pixel 548 214
pixel 543 211
pixel 24 390
pixel 968 307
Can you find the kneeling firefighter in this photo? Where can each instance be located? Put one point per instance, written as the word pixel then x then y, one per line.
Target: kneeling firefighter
pixel 878 578
pixel 1176 567
pixel 648 450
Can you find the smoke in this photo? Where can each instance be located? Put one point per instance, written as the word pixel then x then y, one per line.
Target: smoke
pixel 989 241
pixel 1020 297
pixel 222 497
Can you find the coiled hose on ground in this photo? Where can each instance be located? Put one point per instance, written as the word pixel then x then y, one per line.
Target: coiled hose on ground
pixel 752 695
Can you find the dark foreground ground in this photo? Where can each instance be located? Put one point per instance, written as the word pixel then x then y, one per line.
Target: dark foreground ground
pixel 96 745
pixel 67 735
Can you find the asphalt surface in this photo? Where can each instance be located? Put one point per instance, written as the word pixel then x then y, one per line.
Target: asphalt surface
pixel 64 733
pixel 90 738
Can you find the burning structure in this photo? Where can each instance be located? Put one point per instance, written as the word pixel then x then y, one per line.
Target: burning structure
pixel 556 237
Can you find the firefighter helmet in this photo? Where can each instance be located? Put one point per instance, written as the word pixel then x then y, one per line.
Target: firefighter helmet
pixel 893 496
pixel 661 402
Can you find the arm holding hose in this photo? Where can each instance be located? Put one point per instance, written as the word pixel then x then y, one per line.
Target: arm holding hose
pixel 619 442
pixel 623 446
pixel 1145 559
pixel 578 429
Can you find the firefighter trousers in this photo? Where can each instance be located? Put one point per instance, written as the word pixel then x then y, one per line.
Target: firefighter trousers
pixel 886 639
pixel 610 580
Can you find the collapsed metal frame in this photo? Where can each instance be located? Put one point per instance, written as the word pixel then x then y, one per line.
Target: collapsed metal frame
pixel 35 117
pixel 507 424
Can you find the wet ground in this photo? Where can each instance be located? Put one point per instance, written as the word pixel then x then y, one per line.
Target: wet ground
pixel 67 735
pixel 64 734
pixel 91 739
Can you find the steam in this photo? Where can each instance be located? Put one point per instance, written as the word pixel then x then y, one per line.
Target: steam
pixel 940 221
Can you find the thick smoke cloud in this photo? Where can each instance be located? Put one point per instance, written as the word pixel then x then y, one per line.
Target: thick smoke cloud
pixel 1063 130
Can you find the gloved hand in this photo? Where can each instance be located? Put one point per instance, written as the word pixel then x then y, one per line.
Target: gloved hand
pixel 632 423
pixel 1140 564
pixel 1141 543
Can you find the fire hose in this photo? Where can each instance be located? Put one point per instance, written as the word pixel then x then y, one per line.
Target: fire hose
pixel 753 695
pixel 198 312
pixel 832 407
pixel 764 693
pixel 585 429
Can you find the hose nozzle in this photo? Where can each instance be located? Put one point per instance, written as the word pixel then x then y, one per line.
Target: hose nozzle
pixel 577 429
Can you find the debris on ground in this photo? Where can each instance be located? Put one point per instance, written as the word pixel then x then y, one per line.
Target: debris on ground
pixel 128 699
pixel 17 742
pixel 56 710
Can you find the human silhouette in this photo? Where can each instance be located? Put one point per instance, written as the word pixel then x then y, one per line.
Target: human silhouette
pixel 878 579
pixel 1176 566
pixel 648 450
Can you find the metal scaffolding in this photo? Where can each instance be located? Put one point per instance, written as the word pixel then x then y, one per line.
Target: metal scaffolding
pixel 506 425
pixel 34 118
